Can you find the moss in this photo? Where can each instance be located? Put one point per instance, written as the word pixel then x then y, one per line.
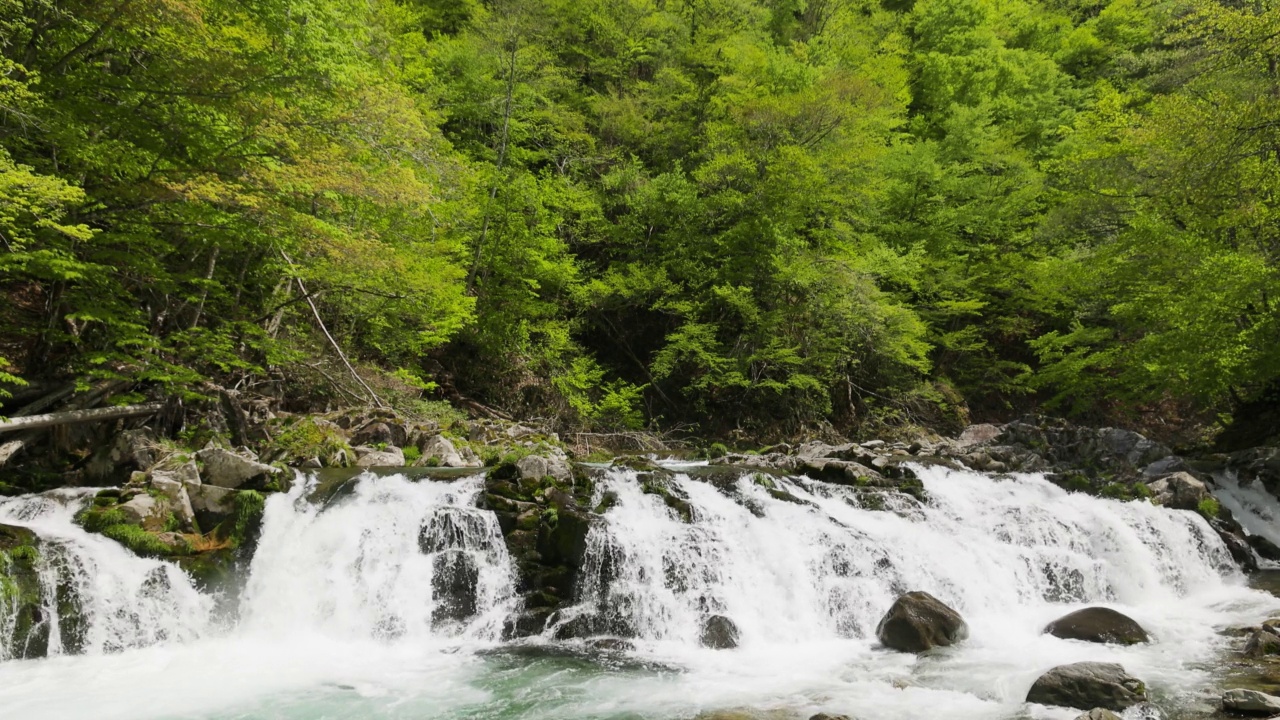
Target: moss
pixel 26 555
pixel 98 519
pixel 764 481
pixel 717 450
pixel 1209 508
pixel 144 543
pixel 411 454
pixel 306 438
pixel 247 516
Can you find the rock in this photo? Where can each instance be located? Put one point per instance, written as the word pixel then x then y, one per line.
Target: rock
pixel 1098 714
pixel 368 457
pixel 611 645
pixel 1088 685
pixel 380 433
pixel 1165 466
pixel 139 509
pixel 918 621
pixel 1237 545
pixel 1099 625
pixel 1264 547
pixel 1250 702
pixel 977 435
pixel 176 492
pixel 719 633
pixel 1180 491
pixel 1262 642
pixel 440 451
pixel 228 469
pixel 828 716
pixel 536 467
pixel 455 584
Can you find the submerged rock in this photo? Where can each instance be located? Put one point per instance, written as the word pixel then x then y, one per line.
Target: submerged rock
pixel 1250 702
pixel 918 621
pixel 719 633
pixel 1098 714
pixel 1099 625
pixel 1088 685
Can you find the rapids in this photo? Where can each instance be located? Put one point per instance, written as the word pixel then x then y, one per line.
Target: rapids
pixel 388 601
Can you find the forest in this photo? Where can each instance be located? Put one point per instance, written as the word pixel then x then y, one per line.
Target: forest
pixel 750 216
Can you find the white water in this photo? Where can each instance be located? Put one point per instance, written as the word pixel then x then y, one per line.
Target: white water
pixel 1253 507
pixel 123 601
pixel 341 617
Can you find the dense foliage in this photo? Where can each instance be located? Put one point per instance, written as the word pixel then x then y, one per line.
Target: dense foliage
pixel 763 214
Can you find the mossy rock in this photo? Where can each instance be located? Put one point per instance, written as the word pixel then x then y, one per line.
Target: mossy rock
pixel 20 589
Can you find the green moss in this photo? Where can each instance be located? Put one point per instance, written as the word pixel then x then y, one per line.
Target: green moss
pixel 306 438
pixel 717 450
pixel 142 542
pixel 247 516
pixel 1209 508
pixel 764 481
pixel 26 555
pixel 98 519
pixel 411 454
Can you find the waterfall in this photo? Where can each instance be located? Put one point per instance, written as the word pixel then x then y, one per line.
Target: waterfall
pixel 96 596
pixel 1253 507
pixel 387 599
pixel 393 559
pixel 792 560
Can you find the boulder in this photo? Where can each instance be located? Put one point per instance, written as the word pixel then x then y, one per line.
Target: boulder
pixel 536 467
pixel 380 432
pixel 1099 625
pixel 1264 547
pixel 719 633
pixel 1262 642
pixel 828 716
pixel 139 508
pixel 1250 702
pixel 1088 685
pixel 1098 714
pixel 455 584
pixel 228 469
pixel 368 457
pixel 977 435
pixel 176 493
pixel 1180 491
pixel 918 621
pixel 440 451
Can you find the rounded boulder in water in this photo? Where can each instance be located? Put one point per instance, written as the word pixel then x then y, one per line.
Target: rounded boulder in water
pixel 1088 685
pixel 1099 625
pixel 719 633
pixel 1098 714
pixel 919 621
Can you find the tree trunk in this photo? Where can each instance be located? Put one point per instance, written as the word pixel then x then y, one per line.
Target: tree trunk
pixel 33 422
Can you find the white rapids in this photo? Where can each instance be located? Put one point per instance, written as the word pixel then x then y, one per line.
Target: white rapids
pixel 388 602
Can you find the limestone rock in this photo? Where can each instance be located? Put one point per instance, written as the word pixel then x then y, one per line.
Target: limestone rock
pixel 368 457
pixel 1180 491
pixel 719 633
pixel 1099 625
pixel 228 469
pixel 1250 702
pixel 1088 685
pixel 918 621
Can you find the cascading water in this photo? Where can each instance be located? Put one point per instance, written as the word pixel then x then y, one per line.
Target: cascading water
pixel 387 601
pixel 96 596
pixel 1257 510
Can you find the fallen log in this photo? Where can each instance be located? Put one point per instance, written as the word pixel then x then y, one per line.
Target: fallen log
pixel 33 422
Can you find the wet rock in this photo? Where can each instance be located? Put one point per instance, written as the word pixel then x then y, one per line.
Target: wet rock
pixel 228 469
pixel 455 583
pixel 1098 625
pixel 611 645
pixel 1088 685
pixel 1180 491
pixel 719 633
pixel 1262 642
pixel 368 457
pixel 918 621
pixel 1165 466
pixel 211 504
pixel 828 716
pixel 1098 714
pixel 1250 702
pixel 1237 545
pixel 1264 547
